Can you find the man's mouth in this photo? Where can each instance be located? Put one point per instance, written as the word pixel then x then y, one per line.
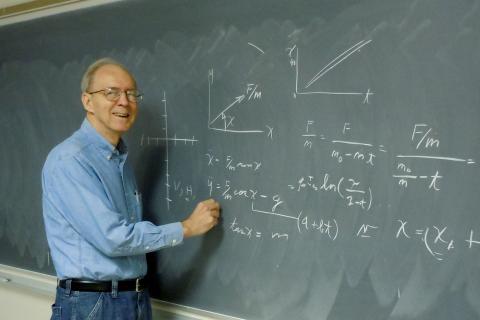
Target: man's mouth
pixel 121 114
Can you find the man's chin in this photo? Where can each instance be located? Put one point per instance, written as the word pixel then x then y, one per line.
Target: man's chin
pixel 123 126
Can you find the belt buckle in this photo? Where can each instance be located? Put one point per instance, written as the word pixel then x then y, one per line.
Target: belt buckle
pixel 137 285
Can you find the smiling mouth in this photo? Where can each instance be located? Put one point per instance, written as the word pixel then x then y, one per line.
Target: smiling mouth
pixel 121 114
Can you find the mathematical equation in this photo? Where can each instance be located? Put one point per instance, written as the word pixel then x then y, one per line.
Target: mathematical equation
pixel 435 240
pixel 422 164
pixel 231 164
pixel 347 189
pixel 422 137
pixel 328 228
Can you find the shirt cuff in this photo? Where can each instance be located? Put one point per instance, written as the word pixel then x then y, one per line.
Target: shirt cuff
pixel 175 237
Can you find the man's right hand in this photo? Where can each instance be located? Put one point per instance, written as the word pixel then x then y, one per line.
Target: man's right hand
pixel 203 218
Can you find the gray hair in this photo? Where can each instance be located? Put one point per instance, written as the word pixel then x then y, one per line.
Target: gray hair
pixel 90 72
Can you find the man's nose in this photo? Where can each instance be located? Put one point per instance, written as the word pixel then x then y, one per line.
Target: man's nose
pixel 123 99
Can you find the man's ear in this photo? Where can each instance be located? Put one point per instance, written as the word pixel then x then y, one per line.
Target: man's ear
pixel 87 102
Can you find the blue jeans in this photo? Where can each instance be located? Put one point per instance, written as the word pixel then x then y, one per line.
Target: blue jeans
pixel 115 305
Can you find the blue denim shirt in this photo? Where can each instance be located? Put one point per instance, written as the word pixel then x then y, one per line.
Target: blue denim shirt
pixel 92 211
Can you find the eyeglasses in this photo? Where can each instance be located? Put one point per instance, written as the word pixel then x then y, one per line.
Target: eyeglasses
pixel 113 94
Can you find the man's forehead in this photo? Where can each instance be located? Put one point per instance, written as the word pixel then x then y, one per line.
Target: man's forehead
pixel 110 72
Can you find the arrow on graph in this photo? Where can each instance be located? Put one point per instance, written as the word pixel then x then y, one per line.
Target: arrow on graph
pixel 237 100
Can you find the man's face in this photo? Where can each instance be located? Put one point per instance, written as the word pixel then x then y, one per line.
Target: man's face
pixel 110 118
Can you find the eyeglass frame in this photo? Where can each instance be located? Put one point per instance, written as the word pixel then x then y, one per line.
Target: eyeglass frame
pixel 138 97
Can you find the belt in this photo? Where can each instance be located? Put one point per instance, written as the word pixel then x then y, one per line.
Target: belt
pixel 137 285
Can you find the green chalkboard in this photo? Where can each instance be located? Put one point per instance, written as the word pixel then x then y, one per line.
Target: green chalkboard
pixel 340 137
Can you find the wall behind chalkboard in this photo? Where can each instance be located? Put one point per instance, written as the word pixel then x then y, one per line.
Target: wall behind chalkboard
pixel 341 138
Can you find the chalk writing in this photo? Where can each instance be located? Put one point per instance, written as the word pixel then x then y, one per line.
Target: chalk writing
pixel 223 121
pixel 231 164
pixel 228 192
pixel 364 152
pixel 305 223
pixel 432 238
pixel 252 233
pixel 294 61
pixel 348 189
pixel 424 139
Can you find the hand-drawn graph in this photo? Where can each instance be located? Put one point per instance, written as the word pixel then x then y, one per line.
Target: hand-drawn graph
pixel 148 140
pixel 224 121
pixel 293 54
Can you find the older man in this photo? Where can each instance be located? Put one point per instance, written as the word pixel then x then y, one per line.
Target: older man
pixel 92 207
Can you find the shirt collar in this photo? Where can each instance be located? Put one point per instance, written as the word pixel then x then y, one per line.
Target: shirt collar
pixel 99 141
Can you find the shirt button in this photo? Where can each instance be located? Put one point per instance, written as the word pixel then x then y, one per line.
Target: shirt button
pixel 174 241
